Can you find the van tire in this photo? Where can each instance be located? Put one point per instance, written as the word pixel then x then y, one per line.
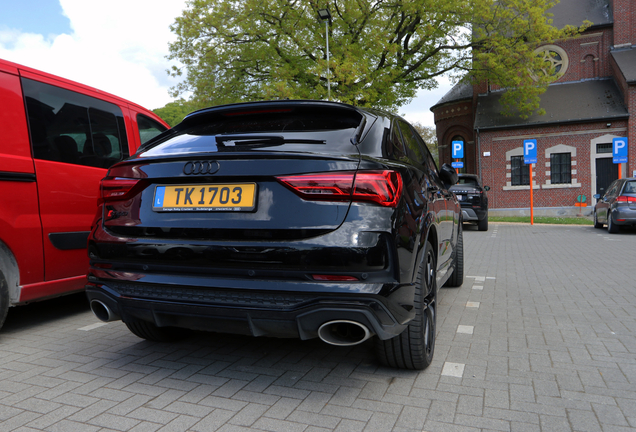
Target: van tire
pixel 4 299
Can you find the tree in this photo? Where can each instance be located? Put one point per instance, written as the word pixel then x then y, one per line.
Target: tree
pixel 382 51
pixel 173 112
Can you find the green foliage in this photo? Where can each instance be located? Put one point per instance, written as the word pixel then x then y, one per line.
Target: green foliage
pixel 175 111
pixel 382 51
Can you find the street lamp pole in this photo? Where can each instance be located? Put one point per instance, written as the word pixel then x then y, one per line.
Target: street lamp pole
pixel 324 15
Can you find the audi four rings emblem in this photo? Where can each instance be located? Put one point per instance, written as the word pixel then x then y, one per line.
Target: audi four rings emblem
pixel 200 167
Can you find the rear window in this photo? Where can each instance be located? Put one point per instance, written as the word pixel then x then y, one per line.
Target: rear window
pixel 468 181
pixel 307 129
pixel 630 187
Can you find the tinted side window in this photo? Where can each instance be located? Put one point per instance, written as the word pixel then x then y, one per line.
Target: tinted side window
pixel 394 147
pixel 413 149
pixel 148 128
pixel 70 127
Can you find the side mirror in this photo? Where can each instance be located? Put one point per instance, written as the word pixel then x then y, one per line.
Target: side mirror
pixel 597 196
pixel 448 175
pixel 486 188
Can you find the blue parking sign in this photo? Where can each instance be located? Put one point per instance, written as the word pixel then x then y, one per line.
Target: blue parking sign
pixel 530 151
pixel 458 149
pixel 619 150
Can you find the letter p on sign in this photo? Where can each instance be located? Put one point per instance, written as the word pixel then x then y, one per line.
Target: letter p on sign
pixel 458 149
pixel 530 151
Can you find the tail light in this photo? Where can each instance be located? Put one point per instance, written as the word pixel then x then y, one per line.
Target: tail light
pixel 119 189
pixel 627 199
pixel 381 187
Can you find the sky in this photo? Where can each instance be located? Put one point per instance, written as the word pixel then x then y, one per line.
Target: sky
pixel 119 46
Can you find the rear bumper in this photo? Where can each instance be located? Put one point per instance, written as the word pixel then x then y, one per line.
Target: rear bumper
pixel 624 216
pixel 470 214
pixel 286 312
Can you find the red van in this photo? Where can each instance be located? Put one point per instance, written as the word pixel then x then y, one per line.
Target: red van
pixel 57 140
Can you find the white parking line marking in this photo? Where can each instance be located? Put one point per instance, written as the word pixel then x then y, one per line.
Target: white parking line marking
pixel 465 329
pixel 453 369
pixel 472 304
pixel 478 287
pixel 93 326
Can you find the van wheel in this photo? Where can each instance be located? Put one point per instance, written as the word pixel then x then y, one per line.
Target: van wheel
pixel 4 299
pixel 457 277
pixel 414 347
pixel 151 332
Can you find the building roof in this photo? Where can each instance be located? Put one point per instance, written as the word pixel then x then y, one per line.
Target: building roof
pixel 583 101
pixel 574 12
pixel 626 61
pixel 459 92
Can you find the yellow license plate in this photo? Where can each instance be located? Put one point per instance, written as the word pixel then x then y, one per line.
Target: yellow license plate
pixel 207 197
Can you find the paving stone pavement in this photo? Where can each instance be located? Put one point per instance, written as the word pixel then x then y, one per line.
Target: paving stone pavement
pixel 541 337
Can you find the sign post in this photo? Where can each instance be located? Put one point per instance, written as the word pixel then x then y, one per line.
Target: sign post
pixel 619 153
pixel 529 158
pixel 458 153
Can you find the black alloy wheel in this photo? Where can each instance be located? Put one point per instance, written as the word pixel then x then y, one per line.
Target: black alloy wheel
pixel 457 278
pixel 415 346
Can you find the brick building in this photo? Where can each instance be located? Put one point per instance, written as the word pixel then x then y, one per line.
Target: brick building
pixel 592 102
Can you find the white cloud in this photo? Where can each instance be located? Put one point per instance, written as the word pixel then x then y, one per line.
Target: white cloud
pixel 119 46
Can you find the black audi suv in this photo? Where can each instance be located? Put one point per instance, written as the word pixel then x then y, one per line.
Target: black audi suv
pixel 294 219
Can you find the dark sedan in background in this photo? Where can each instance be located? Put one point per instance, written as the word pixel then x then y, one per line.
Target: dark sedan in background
pixel 617 207
pixel 473 199
pixel 296 219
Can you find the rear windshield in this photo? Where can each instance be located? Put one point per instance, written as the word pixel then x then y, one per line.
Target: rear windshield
pixel 296 130
pixel 468 181
pixel 630 187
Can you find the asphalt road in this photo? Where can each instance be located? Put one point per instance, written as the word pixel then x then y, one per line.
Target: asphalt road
pixel 541 337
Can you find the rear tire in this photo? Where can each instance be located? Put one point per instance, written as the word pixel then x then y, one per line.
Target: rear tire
pixel 482 225
pixel 415 346
pixel 597 224
pixel 4 299
pixel 612 228
pixel 457 277
pixel 151 332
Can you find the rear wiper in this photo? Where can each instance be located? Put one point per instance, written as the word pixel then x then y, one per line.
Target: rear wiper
pixel 261 141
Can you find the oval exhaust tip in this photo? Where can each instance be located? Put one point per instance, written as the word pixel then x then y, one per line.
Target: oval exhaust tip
pixel 343 333
pixel 103 312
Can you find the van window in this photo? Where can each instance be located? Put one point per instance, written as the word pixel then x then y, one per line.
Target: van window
pixel 148 128
pixel 74 128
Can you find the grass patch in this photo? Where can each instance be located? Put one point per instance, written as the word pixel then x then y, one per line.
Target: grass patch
pixel 543 220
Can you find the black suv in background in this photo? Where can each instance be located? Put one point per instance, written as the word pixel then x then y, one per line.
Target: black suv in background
pixel 297 219
pixel 473 199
